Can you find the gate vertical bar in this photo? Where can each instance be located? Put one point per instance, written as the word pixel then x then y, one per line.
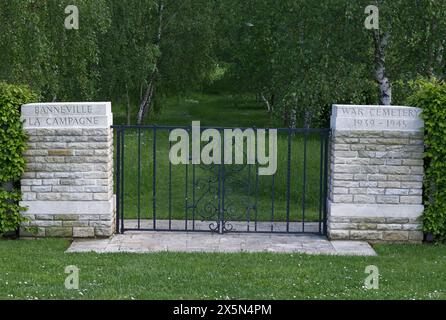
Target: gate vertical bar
pixel 248 211
pixel 154 178
pixel 122 178
pixel 223 189
pixel 139 178
pixel 288 185
pixel 272 200
pixel 193 196
pixel 326 156
pixel 257 197
pixel 321 176
pixel 304 187
pixel 186 193
pixel 118 178
pixel 170 186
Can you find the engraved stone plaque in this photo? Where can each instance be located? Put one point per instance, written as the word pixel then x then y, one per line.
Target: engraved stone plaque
pixel 376 118
pixel 67 115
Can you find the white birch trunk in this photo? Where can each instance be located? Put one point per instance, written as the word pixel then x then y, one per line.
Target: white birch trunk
pixel 385 87
pixel 147 100
pixel 267 103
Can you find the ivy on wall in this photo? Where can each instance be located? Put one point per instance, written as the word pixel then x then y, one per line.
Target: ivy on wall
pixel 12 145
pixel 431 98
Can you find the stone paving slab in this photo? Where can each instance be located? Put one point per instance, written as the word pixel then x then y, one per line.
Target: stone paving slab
pixel 236 226
pixel 145 242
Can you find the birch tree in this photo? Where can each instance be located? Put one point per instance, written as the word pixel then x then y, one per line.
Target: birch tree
pixel 184 40
pixel 127 52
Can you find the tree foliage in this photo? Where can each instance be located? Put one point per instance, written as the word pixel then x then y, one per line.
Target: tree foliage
pixel 302 56
pixel 38 51
pixel 297 57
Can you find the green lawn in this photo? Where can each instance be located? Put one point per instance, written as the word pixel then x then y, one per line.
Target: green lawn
pixel 240 182
pixel 211 110
pixel 31 269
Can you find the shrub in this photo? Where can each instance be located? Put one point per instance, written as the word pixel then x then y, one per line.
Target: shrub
pixel 12 145
pixel 431 98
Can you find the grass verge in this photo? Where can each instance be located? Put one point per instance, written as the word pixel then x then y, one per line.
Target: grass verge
pixel 34 269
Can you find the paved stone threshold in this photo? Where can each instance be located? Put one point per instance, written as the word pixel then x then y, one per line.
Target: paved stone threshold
pixel 238 226
pixel 146 242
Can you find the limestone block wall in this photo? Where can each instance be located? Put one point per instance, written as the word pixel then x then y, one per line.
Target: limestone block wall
pixel 68 183
pixel 376 182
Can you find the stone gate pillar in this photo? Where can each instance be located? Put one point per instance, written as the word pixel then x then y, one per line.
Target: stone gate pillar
pixel 376 179
pixel 68 183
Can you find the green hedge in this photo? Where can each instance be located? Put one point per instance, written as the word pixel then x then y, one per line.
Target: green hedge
pixel 431 97
pixel 12 145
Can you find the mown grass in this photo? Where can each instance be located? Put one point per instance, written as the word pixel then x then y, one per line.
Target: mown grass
pixel 34 269
pixel 212 110
pixel 244 195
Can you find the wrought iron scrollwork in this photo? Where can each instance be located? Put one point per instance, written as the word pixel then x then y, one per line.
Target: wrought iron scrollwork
pixel 217 191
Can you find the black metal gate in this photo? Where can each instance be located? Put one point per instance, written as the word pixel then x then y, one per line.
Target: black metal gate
pixel 154 195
